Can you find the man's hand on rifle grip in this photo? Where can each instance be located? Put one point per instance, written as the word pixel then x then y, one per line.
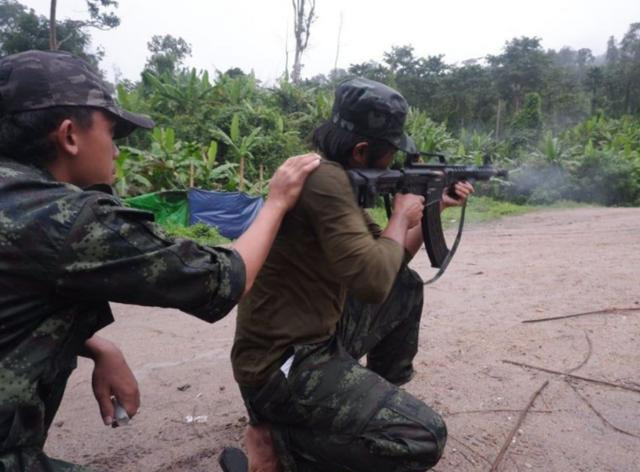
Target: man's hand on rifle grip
pixel 410 207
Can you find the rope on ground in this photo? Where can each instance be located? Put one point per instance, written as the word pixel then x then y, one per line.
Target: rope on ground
pixel 577 377
pixel 509 440
pixel 606 311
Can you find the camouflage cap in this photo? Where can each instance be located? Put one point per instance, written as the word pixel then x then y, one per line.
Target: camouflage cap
pixel 373 110
pixel 35 80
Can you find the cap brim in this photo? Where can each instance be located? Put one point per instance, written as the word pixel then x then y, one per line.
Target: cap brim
pixel 405 143
pixel 127 122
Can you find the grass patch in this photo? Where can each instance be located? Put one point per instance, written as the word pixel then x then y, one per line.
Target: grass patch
pixel 481 209
pixel 379 215
pixel 200 233
pixel 567 204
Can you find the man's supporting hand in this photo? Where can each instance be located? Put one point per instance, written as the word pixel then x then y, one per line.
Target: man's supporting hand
pixel 285 187
pixel 286 184
pixel 463 191
pixel 112 377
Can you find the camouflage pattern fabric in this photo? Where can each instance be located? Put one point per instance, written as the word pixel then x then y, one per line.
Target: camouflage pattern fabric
pixel 35 80
pixel 34 460
pixel 371 109
pixel 332 414
pixel 64 253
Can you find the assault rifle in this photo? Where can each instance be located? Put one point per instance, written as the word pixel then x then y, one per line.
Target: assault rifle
pixel 429 180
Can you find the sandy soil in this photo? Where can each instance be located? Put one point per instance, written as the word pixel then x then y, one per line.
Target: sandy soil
pixel 538 265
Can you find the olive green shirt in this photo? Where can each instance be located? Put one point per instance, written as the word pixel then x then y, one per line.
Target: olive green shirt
pixel 326 247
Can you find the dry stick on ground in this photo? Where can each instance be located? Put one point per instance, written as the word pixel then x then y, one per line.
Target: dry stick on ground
pixel 587 357
pixel 501 410
pixel 577 377
pixel 523 413
pixel 598 414
pixel 575 315
pixel 469 448
pixel 470 461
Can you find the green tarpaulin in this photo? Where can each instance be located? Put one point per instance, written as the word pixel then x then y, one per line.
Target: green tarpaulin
pixel 169 207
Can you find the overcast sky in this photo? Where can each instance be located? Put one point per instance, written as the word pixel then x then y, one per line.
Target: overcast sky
pixel 252 34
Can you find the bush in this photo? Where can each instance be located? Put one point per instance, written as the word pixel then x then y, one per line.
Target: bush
pixel 200 233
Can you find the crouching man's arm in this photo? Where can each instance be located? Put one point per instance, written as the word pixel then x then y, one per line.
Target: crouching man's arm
pixel 110 252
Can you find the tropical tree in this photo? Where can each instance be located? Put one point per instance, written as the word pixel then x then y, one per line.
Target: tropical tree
pixel 241 146
pixel 101 16
pixel 304 14
pixel 167 54
pixel 21 29
pixel 520 69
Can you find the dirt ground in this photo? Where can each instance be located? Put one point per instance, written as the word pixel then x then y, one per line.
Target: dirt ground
pixel 538 265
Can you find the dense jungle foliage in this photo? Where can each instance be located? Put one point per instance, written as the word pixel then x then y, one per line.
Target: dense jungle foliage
pixel 565 123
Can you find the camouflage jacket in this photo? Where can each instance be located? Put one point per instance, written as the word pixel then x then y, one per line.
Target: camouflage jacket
pixel 66 252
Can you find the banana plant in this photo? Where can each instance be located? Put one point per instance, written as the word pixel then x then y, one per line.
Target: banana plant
pixel 428 136
pixel 241 146
pixel 184 95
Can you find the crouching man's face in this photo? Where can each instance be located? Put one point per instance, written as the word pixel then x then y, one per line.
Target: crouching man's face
pixel 89 152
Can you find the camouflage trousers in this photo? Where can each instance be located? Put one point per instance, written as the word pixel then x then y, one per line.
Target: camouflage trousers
pixel 26 460
pixel 23 430
pixel 329 413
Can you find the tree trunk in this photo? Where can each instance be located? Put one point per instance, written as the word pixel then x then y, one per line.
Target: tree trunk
pixel 301 29
pixel 53 41
pixel 261 176
pixel 241 172
pixel 498 117
pixel 335 63
pixel 627 98
pixel 286 55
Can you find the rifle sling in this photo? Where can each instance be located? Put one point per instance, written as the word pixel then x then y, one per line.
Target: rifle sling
pixel 453 249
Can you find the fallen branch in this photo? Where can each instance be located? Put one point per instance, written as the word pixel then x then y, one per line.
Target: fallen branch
pixel 575 315
pixel 577 377
pixel 500 410
pixel 470 461
pixel 470 449
pixel 598 414
pixel 523 413
pixel 587 357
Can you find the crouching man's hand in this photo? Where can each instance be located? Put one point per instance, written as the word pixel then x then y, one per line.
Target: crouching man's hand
pixel 112 377
pixel 287 182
